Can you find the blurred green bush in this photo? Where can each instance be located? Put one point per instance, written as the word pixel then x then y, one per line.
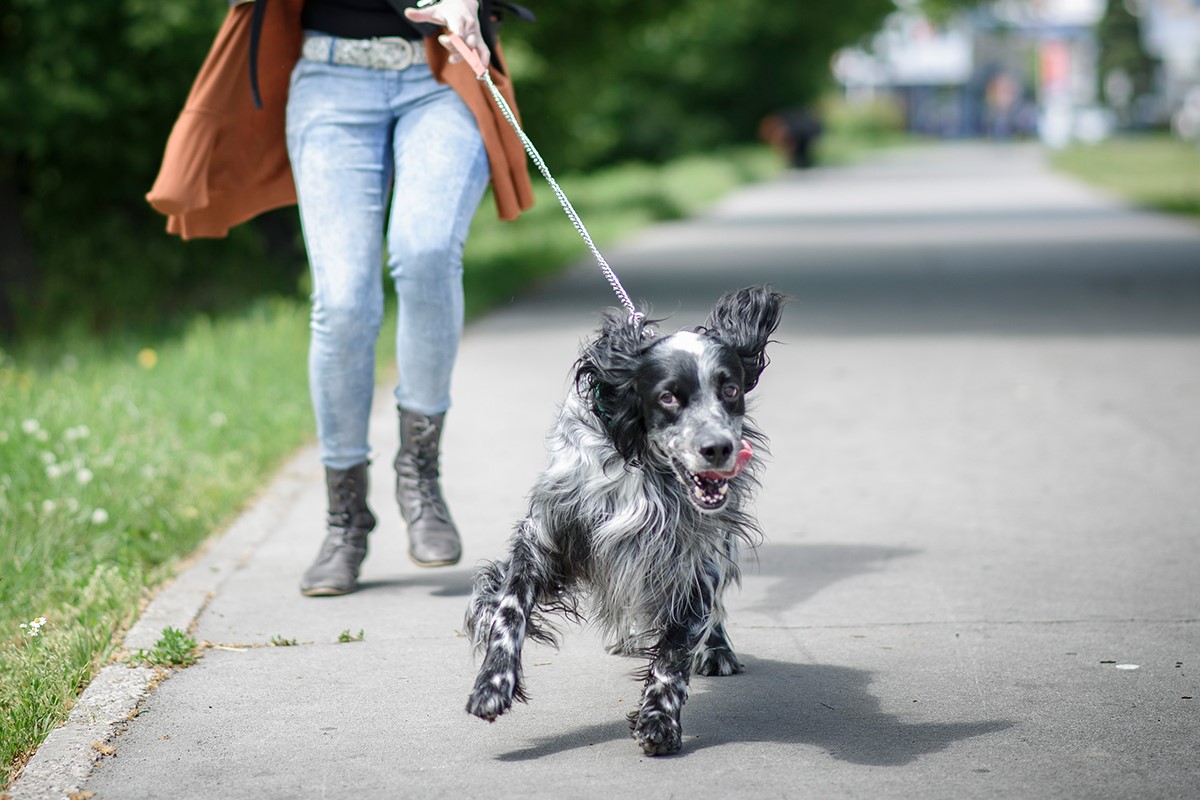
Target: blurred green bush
pixel 88 93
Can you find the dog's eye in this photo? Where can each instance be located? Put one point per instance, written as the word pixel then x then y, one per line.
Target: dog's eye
pixel 730 391
pixel 668 400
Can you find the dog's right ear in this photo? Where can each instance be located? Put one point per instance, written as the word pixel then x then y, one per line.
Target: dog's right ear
pixel 606 377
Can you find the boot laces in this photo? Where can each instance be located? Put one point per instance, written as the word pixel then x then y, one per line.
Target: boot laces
pixel 425 459
pixel 342 513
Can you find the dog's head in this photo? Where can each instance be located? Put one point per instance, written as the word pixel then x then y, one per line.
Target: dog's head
pixel 676 403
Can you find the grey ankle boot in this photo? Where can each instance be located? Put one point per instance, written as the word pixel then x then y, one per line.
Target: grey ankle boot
pixel 336 569
pixel 433 539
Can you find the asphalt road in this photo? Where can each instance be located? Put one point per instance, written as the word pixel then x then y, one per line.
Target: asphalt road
pixel 982 515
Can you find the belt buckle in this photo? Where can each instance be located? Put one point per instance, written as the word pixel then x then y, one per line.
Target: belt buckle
pixel 395 52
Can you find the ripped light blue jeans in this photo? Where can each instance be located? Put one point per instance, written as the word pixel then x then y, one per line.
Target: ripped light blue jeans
pixel 358 137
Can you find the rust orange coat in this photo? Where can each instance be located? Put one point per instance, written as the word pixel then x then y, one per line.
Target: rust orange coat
pixel 226 160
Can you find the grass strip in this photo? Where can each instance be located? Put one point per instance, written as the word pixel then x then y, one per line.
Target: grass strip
pixel 119 457
pixel 1154 171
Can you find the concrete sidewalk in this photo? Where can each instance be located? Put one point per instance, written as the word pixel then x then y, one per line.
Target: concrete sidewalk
pixel 982 515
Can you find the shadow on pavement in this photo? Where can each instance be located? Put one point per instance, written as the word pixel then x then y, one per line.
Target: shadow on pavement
pixel 819 705
pixel 825 706
pixel 451 583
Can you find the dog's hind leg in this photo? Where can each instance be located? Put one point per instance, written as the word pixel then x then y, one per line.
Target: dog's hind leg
pixel 517 586
pixel 716 657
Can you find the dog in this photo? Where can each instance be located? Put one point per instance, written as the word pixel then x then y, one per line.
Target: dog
pixel 636 522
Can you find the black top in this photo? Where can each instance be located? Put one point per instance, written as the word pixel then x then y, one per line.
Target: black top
pixel 358 19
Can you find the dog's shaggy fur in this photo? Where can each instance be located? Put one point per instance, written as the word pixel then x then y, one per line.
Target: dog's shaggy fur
pixel 636 521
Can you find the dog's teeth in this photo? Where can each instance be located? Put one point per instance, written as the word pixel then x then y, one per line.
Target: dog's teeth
pixel 708 493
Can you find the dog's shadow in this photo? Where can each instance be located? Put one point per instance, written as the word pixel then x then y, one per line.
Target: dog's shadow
pixel 824 706
pixel 821 705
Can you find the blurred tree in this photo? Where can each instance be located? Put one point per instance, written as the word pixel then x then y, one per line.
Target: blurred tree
pixel 1126 69
pixel 88 93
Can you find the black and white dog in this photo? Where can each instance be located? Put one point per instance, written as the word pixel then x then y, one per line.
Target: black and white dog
pixel 636 521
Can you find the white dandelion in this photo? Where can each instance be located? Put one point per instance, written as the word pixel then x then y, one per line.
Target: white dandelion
pixel 77 433
pixel 34 627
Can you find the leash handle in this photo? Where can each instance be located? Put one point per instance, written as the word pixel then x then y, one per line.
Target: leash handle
pixel 454 42
pixel 458 46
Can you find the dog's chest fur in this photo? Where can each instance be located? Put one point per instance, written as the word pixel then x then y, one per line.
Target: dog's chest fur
pixel 634 546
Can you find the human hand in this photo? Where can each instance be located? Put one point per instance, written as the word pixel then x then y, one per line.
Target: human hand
pixel 460 17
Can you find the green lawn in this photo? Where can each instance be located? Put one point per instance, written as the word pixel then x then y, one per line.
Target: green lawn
pixel 1155 171
pixel 119 457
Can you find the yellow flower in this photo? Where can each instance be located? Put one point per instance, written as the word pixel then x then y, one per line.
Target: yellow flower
pixel 147 358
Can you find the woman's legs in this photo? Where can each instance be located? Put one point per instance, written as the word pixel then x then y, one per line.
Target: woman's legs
pixel 345 150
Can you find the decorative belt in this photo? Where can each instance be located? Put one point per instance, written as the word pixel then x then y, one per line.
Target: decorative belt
pixel 384 52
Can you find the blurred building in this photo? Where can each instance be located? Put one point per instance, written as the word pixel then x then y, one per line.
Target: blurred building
pixel 1021 68
pixel 928 69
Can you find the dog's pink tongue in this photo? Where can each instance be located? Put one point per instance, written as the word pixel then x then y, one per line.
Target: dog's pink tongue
pixel 743 458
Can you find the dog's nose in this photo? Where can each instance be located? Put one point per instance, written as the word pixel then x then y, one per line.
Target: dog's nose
pixel 717 451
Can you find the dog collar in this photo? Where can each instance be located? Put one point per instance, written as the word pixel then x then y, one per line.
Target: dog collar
pixel 598 407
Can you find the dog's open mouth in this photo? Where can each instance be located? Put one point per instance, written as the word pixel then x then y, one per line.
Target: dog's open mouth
pixel 709 491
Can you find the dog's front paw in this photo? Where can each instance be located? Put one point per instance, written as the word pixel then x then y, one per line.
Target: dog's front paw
pixel 658 734
pixel 491 697
pixel 717 661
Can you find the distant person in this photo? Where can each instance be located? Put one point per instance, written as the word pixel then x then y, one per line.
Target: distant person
pixel 384 141
pixel 793 132
pixel 1002 96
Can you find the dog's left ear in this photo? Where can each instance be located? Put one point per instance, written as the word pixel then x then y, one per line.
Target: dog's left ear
pixel 745 320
